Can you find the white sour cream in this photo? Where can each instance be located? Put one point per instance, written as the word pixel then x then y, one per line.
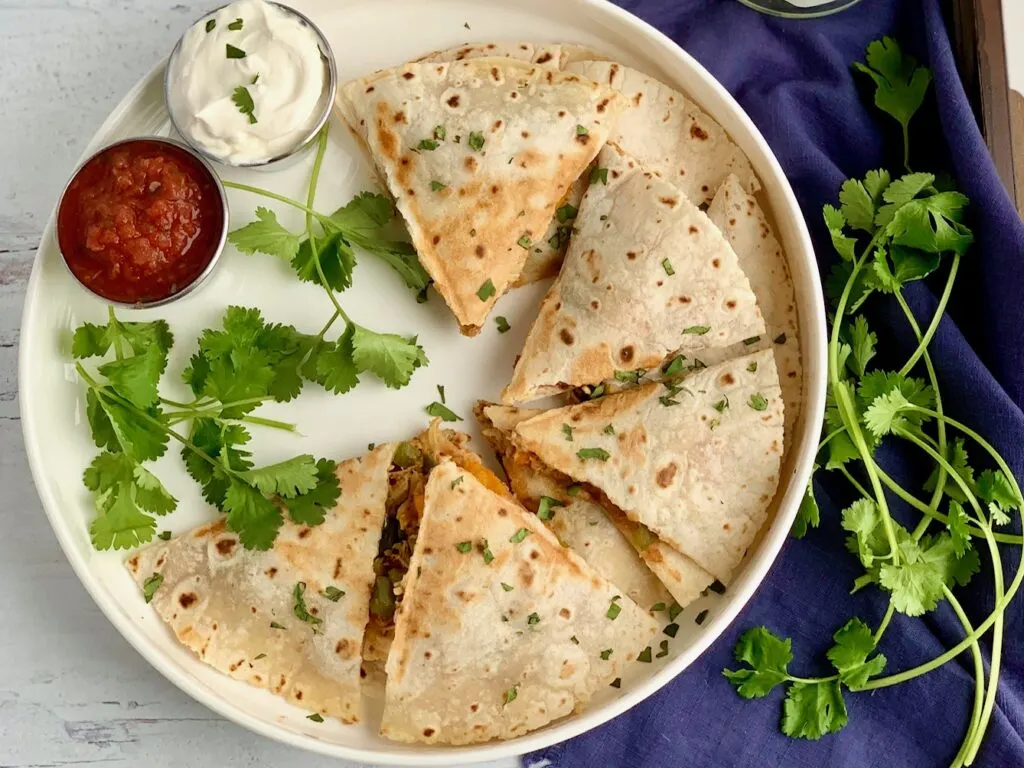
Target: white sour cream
pixel 281 54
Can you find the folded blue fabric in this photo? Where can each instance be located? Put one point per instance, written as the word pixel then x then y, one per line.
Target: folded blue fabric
pixel 794 79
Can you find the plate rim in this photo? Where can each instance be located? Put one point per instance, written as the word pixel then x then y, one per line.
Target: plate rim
pixel 813 349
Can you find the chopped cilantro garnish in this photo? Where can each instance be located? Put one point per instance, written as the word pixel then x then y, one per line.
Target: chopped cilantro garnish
pixel 464 546
pixel 439 132
pixel 441 411
pixel 699 618
pixel 428 145
pixel 519 535
pixel 599 175
pixel 613 610
pixel 276 625
pixel 593 453
pixel 698 330
pixel 457 481
pixel 316 717
pixel 164 535
pixel 780 339
pixel 664 650
pixel 234 53
pixel 299 607
pixel 608 429
pixel 752 340
pixel 606 653
pixel 721 405
pixel 658 607
pixel 574 490
pixel 671 629
pixel 333 594
pixel 485 550
pixel 581 130
pixel 507 587
pixel 524 241
pixel 645 655
pixel 532 619
pixel 485 291
pixel 567 431
pixel 235 25
pixel 151 585
pixel 545 510
pixel 630 377
pixel 717 587
pixel 574 640
pixel 674 610
pixel 440 393
pixel 616 683
pixel 511 693
pixel 566 212
pixel 437 186
pixel 502 322
pixel 476 140
pixel 752 367
pixel 667 266
pixel 243 100
pixel 211 25
pixel 674 366
pixel 758 402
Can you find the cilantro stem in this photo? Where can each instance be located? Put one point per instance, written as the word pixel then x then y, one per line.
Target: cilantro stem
pixel 274 196
pixel 942 461
pixel 940 310
pixel 198 402
pixel 884 623
pixel 979 679
pixel 997 645
pixel 262 422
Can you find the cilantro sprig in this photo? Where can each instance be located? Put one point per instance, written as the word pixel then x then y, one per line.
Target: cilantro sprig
pixel 889 232
pixel 236 368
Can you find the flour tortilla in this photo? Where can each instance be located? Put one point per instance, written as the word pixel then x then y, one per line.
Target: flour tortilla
pixel 615 305
pixel 699 466
pixel 580 523
pixel 463 642
pixel 540 129
pixel 670 134
pixel 626 553
pixel 739 216
pixel 219 599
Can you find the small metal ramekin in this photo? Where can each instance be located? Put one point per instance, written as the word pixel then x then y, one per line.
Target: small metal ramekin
pixel 221 240
pixel 326 98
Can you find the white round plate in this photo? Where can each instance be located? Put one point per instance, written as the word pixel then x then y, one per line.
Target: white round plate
pixel 365 35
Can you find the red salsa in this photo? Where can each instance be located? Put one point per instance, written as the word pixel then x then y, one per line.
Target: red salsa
pixel 140 221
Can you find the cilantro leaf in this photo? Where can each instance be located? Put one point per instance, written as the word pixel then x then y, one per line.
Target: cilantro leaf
pixel 862 345
pixel 767 657
pixel 221 445
pixel 813 709
pixel 90 341
pixel 901 192
pixel 854 643
pixel 309 507
pixel 253 517
pixel 265 235
pixel 836 222
pixel 286 478
pixel 135 378
pixel 957 457
pixel 121 429
pixel 150 493
pixel 932 224
pixel 959 532
pixel 335 366
pixel 336 262
pixel 900 84
pixel 441 411
pixel 995 489
pixel 389 357
pixel 808 515
pixel 120 524
pixel 863 520
pixel 363 215
pixel 861 199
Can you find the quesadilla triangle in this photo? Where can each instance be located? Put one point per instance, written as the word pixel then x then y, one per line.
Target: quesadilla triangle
pixel 545 257
pixel 407 480
pixel 478 154
pixel 647 275
pixel 739 216
pixel 624 552
pixel 695 460
pixel 502 629
pixel 289 619
pixel 669 134
pixel 568 512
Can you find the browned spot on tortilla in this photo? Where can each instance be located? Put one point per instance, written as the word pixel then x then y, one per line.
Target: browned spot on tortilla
pixel 565 613
pixel 186 599
pixel 669 201
pixel 502 512
pixel 408 75
pixel 666 474
pixel 595 304
pixel 470 163
pixel 660 283
pixel 791 374
pixel 613 70
pixel 631 255
pixel 684 299
pixel 226 546
pixel 732 222
pixel 576 417
pixel 370 89
pixel 703 187
pixel 453 101
pixel 726 527
pixel 543 59
pixel 235 665
pixel 271 572
pixel 626 353
pixel 566 336
pixel 615 174
pixel 410 192
pixel 534 554
pixel 730 304
pixel 134 563
pixel 337 567
pixel 495 189
pixel 562 113
pixel 480 251
pixel 637 97
pixel 549 76
pixel 399 117
pixel 525 573
pixel 304 532
pixel 428 550
pixel 497 126
pixel 474 707
pixel 436 239
pixel 404 160
pixel 727 378
pixel 631 490
pixel 698 133
pixel 716 263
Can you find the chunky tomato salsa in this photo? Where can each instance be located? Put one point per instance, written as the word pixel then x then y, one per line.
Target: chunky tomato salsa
pixel 140 221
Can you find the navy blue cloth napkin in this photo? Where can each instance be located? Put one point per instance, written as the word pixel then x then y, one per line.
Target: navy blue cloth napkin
pixel 795 81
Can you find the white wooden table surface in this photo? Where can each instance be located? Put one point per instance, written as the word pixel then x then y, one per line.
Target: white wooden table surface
pixel 72 691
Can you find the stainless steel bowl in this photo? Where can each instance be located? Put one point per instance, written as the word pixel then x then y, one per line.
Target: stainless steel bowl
pixel 325 104
pixel 220 241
